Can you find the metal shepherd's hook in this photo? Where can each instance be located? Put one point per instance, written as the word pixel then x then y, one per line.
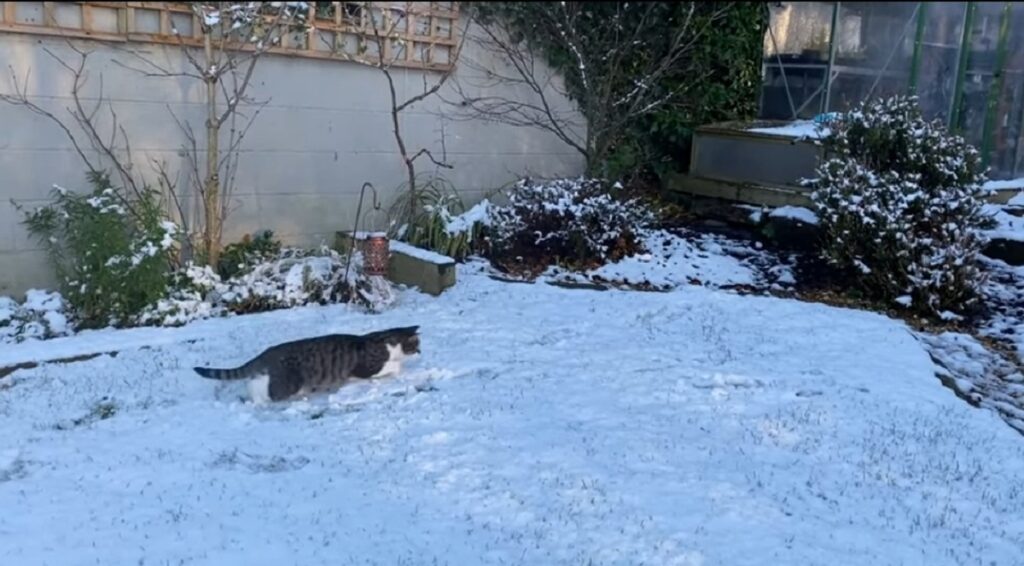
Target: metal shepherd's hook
pixel 355 229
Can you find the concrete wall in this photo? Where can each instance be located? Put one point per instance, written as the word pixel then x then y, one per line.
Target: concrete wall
pixel 325 130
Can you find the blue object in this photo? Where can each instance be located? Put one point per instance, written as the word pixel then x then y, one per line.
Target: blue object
pixel 826 117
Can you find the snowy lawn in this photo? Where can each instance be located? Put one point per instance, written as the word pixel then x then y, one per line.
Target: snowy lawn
pixel 541 426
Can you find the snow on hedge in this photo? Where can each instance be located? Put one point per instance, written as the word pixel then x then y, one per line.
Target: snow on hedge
pixel 478 215
pixel 901 205
pixel 42 315
pixel 577 220
pixel 296 278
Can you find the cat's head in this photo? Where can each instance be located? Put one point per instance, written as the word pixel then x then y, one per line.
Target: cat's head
pixel 411 345
pixel 408 338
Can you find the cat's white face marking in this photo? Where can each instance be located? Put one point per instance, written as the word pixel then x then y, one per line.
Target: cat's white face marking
pixel 259 389
pixel 394 364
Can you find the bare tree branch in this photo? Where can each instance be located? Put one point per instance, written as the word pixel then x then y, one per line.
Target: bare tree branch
pixel 20 98
pixel 234 38
pixel 538 113
pixel 425 151
pixel 384 32
pixel 618 57
pixel 86 121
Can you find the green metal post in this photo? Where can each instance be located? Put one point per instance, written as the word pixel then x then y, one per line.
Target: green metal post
pixel 915 61
pixel 832 47
pixel 996 90
pixel 961 69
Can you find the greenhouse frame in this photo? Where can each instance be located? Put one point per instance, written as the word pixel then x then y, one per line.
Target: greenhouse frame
pixel 964 60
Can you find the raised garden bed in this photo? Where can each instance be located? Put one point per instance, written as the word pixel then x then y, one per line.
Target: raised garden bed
pixel 428 271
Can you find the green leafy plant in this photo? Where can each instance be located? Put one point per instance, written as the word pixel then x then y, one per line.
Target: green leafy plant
pixel 240 257
pixel 431 226
pixel 900 202
pixel 111 252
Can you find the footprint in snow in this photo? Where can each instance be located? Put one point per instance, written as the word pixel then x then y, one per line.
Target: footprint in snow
pixel 12 466
pixel 718 381
pixel 257 463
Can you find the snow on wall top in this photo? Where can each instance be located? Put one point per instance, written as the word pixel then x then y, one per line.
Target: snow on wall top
pixel 801 129
pixel 795 213
pixel 1001 185
pixel 420 253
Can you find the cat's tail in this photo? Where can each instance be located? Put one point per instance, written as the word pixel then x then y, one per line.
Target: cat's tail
pixel 242 372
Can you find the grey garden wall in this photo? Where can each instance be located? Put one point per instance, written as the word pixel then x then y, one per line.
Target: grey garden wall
pixel 325 130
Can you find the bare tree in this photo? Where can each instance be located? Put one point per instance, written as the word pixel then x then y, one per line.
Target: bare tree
pixel 99 150
pixel 234 36
pixel 610 58
pixel 382 23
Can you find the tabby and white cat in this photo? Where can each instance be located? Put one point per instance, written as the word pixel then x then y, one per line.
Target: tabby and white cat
pixel 321 364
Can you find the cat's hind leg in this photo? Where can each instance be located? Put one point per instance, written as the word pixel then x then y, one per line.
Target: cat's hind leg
pixel 283 383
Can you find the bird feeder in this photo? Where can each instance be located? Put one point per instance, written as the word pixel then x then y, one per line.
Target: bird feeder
pixel 375 246
pixel 376 254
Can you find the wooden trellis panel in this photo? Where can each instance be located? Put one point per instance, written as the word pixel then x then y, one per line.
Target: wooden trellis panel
pixel 418 34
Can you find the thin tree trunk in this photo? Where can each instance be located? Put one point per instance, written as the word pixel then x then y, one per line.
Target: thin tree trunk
pixel 410 167
pixel 211 198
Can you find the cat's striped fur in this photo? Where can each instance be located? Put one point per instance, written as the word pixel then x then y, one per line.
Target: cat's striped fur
pixel 321 364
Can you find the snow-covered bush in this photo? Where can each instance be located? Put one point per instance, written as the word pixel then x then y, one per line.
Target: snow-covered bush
pixel 294 278
pixel 43 315
pixel 573 222
pixel 900 201
pixel 466 232
pixel 110 250
pixel 300 277
pixel 187 299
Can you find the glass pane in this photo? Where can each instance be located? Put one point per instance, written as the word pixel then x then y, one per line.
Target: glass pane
pixel 28 13
pixel 979 75
pixel 940 55
pixel 796 55
pixel 875 47
pixel 68 15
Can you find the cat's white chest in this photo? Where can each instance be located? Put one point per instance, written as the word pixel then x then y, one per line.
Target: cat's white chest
pixel 394 364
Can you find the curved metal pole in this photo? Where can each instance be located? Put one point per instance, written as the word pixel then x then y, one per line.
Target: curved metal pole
pixel 355 229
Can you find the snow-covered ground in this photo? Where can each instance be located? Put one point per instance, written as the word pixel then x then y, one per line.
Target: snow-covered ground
pixel 1004 184
pixel 1004 294
pixel 541 426
pixel 1006 226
